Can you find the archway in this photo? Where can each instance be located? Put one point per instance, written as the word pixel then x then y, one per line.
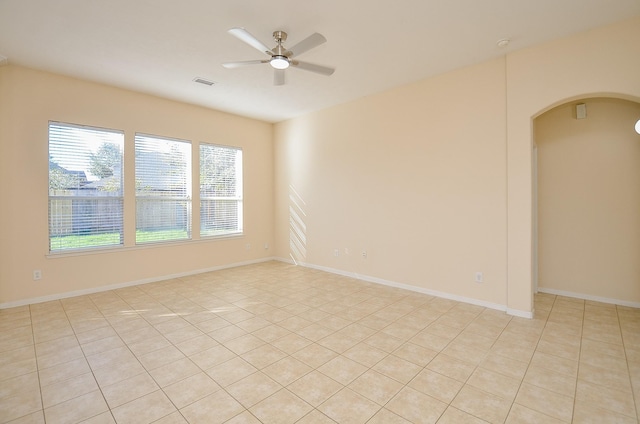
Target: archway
pixel 588 200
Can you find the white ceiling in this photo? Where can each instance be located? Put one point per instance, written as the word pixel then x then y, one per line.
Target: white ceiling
pixel 160 46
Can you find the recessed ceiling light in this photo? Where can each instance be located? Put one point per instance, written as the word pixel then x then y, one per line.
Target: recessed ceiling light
pixel 203 81
pixel 503 43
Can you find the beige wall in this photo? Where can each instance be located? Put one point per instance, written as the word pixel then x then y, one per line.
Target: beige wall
pixel 28 100
pixel 415 176
pixel 602 61
pixel 589 200
pixel 435 179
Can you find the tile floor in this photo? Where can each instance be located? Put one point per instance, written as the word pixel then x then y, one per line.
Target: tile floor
pixel 274 343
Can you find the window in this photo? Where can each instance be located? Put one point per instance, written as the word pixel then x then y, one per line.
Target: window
pixel 220 190
pixel 163 189
pixel 85 187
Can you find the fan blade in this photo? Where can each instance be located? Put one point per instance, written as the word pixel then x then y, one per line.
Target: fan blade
pixel 232 65
pixel 318 69
pixel 314 40
pixel 243 35
pixel 278 77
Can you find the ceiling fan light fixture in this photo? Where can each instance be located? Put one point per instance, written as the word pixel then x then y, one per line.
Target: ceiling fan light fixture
pixel 279 62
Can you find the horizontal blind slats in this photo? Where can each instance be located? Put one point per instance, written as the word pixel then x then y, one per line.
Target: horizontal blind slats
pixel 220 190
pixel 163 189
pixel 85 187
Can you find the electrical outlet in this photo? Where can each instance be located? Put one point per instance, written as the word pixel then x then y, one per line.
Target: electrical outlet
pixel 37 274
pixel 248 246
pixel 266 246
pixel 336 252
pixel 364 254
pixel 479 277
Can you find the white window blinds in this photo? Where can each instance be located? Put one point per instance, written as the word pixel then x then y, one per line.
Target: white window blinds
pixel 220 190
pixel 163 189
pixel 85 187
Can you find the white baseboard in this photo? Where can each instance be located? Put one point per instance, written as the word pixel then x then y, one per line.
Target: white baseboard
pixel 100 289
pixel 435 293
pixel 589 297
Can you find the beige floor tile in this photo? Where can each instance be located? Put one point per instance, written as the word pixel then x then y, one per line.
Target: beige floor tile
pixel 34 418
pixel 397 368
pixel 384 342
pixel 183 334
pixel 494 383
pixel 23 383
pixel 283 407
pixel 160 357
pixel 231 371
pixel 291 343
pixel 110 375
pixel 436 385
pixel 545 401
pixel 68 389
pixel 196 344
pixel 455 416
pixel 263 356
pixel 174 371
pixel 77 409
pixel 550 380
pixel 618 401
pixel 101 345
pixel 522 415
pixel 112 359
pixel 191 389
pixel 315 388
pixel 173 418
pixel 489 407
pixel 130 389
pixel 419 355
pixel 315 355
pixel 556 348
pixel 315 333
pixel 146 409
pixel 384 416
pixel 349 407
pixel 244 418
pixel 270 333
pixel 611 378
pixel 342 369
pixel 376 387
pixel 96 334
pixel 451 367
pixel 315 417
pixel 287 370
pixel 365 354
pixel 586 413
pixel 555 363
pixel 416 407
pixel 211 357
pixel 20 404
pixel 252 389
pixel 523 351
pixel 338 342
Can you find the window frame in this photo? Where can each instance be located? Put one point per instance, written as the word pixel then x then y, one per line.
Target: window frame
pixel 238 198
pixel 78 200
pixel 187 198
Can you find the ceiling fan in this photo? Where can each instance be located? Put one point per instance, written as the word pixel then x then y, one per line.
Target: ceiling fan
pixel 280 57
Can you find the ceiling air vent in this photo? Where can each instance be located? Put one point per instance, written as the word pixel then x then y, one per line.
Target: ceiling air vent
pixel 203 81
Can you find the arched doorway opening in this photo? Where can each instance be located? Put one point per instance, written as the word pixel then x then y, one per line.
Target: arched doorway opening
pixel 586 199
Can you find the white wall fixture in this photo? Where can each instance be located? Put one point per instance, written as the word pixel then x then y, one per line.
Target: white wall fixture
pixel 581 111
